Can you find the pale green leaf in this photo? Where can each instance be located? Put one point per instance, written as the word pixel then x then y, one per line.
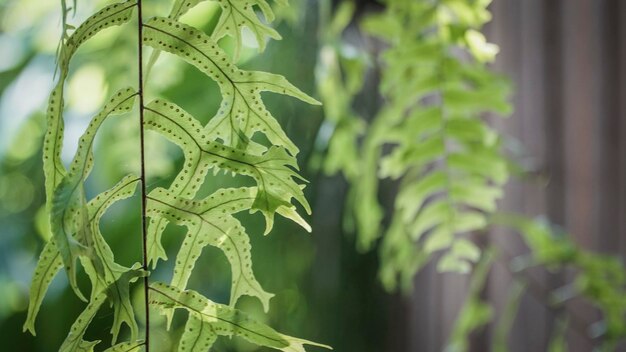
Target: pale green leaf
pixel 127 347
pixel 109 16
pixel 74 341
pixel 50 262
pixel 274 171
pixel 242 112
pixel 197 335
pixel 237 14
pixel 210 222
pixel 104 272
pixel 222 319
pixel 68 211
pixel 48 266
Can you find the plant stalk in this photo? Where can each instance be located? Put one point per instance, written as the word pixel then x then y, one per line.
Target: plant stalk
pixel 144 236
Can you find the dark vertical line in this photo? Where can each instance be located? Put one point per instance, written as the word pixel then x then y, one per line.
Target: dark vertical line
pixel 143 171
pixel 607 138
pixel 554 111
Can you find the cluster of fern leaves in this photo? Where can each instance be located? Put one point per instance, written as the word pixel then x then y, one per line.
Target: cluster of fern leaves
pixel 224 144
pixel 447 159
pixel 432 138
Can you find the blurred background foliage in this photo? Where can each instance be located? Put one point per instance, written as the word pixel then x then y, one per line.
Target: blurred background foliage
pixel 325 290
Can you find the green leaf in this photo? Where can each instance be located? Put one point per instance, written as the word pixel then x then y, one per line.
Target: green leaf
pixel 197 335
pixel 74 341
pixel 49 264
pixel 105 274
pixel 210 222
pixel 127 347
pixel 68 212
pixel 274 171
pixel 475 312
pixel 239 14
pixel 242 112
pixel 431 136
pixel 222 319
pixel 109 16
pixel 179 8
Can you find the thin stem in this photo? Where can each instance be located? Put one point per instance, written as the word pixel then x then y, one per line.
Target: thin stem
pixel 143 172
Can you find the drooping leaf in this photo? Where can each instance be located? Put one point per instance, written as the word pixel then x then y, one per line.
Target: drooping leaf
pixel 105 274
pixel 109 16
pixel 431 136
pixel 242 112
pixel 50 262
pixel 222 319
pixel 74 341
pixel 68 212
pixel 475 312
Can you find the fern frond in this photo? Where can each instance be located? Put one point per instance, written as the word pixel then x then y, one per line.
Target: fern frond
pixel 68 203
pixel 274 171
pixel 222 320
pixel 74 341
pixel 447 158
pixel 127 347
pixel 104 272
pixel 48 265
pixel 50 262
pixel 242 112
pixel 225 144
pixel 239 14
pixel 210 222
pixel 110 16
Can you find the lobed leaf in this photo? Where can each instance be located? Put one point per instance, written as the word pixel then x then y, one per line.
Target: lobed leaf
pixel 239 14
pixel 50 262
pixel 109 16
pixel 74 341
pixel 242 112
pixel 274 171
pixel 68 212
pixel 127 347
pixel 223 320
pixel 105 274
pixel 210 222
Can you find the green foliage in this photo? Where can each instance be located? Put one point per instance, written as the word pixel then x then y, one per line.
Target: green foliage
pixel 475 312
pixel 447 159
pixel 208 319
pixel 599 279
pixel 431 138
pixel 225 143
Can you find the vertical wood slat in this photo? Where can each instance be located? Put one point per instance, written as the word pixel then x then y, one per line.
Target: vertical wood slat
pixel 578 112
pixel 518 29
pixel 567 59
pixel 606 195
pixel 621 166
